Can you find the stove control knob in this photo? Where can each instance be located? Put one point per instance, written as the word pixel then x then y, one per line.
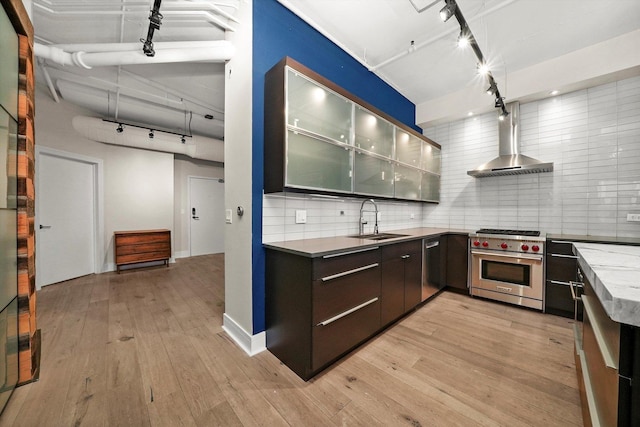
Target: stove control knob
pixel 476 243
pixel 535 248
pixel 485 244
pixel 525 247
pixel 504 245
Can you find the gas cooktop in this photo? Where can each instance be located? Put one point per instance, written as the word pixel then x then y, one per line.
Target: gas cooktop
pixel 532 233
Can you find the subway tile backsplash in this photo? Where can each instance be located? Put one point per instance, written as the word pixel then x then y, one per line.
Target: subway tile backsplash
pixel 592 136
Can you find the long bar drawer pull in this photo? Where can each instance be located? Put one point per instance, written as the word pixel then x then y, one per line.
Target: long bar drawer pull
pixel 573 285
pixel 557 282
pixel 597 332
pixel 564 256
pixel 351 252
pixel 405 256
pixel 346 273
pixel 346 313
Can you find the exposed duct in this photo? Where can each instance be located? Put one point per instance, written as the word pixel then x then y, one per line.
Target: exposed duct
pixel 215 51
pixel 198 147
pixel 509 160
pixel 150 110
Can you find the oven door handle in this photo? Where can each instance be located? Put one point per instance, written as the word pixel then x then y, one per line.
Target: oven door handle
pixel 501 254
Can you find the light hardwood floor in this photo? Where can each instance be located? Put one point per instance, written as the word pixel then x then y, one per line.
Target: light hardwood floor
pixel 147 348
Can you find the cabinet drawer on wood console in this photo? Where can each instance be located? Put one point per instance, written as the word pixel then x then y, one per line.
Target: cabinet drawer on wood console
pixel 338 263
pixel 129 239
pixel 335 338
pixel 561 268
pixel 163 247
pixel 144 257
pixel 333 295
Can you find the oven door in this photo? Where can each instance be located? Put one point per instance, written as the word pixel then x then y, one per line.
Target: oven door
pixel 519 275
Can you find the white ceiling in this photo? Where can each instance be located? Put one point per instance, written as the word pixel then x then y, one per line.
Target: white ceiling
pixel 513 34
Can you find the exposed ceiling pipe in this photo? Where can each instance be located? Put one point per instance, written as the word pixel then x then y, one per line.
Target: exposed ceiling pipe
pixel 116 47
pixel 220 51
pixel 208 16
pixel 198 147
pixel 138 111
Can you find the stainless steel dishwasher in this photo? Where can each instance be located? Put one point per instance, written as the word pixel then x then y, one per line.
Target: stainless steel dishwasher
pixel 431 272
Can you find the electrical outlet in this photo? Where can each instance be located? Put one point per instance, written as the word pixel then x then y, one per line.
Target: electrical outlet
pixel 228 216
pixel 412 216
pixel 633 217
pixel 301 217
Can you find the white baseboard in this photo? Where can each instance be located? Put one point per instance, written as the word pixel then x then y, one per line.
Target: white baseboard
pixel 251 344
pixel 182 254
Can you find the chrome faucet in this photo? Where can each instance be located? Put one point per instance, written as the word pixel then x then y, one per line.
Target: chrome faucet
pixel 363 221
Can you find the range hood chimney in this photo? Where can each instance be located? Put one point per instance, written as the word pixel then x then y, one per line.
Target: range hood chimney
pixel 509 160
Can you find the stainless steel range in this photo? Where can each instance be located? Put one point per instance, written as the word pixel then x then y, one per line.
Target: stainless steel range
pixel 508 266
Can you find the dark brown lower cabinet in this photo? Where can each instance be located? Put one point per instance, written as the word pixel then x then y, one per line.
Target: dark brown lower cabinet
pixel 401 279
pixel 457 260
pixel 317 309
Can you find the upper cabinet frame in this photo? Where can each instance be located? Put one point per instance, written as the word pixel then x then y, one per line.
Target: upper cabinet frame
pixel 319 138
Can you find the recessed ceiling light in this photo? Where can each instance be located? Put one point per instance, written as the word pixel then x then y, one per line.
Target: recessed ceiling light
pixel 554 92
pixel 470 113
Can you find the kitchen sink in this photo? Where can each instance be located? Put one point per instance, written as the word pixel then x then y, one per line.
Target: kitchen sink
pixel 378 236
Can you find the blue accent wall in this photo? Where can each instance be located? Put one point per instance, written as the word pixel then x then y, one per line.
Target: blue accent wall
pixel 277 33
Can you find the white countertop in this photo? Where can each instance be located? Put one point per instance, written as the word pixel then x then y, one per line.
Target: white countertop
pixel 614 273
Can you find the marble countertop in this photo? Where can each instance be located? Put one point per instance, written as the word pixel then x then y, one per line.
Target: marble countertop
pixel 614 273
pixel 327 245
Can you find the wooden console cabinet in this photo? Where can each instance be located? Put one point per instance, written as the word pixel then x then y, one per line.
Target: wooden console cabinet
pixel 137 246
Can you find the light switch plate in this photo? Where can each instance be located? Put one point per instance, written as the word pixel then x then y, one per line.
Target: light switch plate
pixel 228 216
pixel 633 217
pixel 301 217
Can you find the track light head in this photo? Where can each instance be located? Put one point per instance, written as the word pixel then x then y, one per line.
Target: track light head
pixel 182 139
pixel 503 115
pixel 151 135
pixel 492 89
pixel 499 103
pixel 448 10
pixel 464 39
pixel 120 128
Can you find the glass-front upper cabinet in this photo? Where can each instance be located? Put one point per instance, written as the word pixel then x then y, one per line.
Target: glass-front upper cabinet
pixel 373 133
pixel 407 183
pixel 430 158
pixel 430 187
pixel 408 148
pixel 373 176
pixel 320 138
pixel 315 164
pixel 316 109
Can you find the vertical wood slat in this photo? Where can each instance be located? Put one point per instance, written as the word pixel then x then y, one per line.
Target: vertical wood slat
pixel 27 328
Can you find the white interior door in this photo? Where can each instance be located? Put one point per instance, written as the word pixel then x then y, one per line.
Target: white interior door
pixel 65 241
pixel 206 198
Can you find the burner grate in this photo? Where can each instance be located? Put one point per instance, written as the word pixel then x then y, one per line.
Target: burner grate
pixel 534 233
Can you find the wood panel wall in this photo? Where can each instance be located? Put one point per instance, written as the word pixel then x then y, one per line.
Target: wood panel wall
pixel 29 335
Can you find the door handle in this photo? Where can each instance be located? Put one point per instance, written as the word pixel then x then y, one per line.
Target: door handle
pixel 44 226
pixel 193 213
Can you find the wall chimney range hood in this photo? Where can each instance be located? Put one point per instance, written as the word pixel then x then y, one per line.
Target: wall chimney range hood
pixel 509 160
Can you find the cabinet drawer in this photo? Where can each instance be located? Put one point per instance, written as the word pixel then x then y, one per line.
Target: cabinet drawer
pixel 334 339
pixel 128 239
pixel 151 256
pixel 559 301
pixel 397 250
pixel 559 247
pixel 333 264
pixel 561 269
pixel 163 247
pixel 336 295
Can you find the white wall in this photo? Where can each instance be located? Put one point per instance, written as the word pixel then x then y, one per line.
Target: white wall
pixel 238 316
pixel 138 184
pixel 331 217
pixel 185 167
pixel 593 138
